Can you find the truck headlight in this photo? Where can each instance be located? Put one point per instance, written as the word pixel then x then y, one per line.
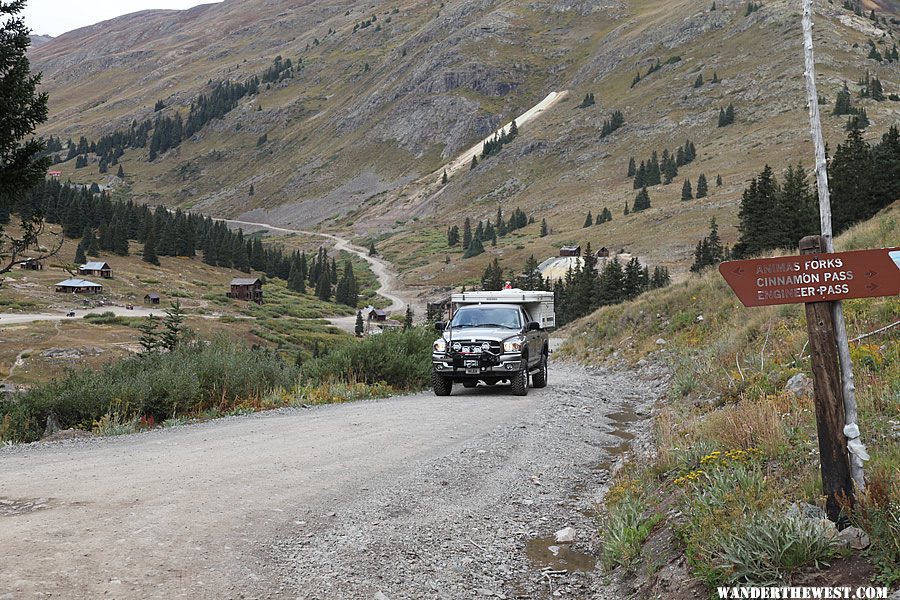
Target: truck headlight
pixel 440 346
pixel 512 346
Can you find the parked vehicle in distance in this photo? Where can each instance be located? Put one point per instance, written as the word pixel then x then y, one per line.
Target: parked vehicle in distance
pixel 493 337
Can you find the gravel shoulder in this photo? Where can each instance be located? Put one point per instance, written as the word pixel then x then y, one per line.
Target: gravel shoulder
pixel 410 497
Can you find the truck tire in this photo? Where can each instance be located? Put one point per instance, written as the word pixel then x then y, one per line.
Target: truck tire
pixel 519 381
pixel 539 379
pixel 441 385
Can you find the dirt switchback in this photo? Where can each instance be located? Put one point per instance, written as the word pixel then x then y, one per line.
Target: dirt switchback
pixel 408 497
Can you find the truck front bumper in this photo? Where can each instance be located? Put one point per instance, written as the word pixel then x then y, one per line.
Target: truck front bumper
pixel 475 365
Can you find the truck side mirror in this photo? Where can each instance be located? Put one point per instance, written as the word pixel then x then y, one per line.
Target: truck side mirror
pixel 439 326
pixel 534 326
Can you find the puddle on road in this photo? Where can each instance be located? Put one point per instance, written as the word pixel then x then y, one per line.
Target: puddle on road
pixel 565 558
pixel 621 420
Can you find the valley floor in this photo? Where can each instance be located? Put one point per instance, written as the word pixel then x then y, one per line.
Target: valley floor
pixel 412 497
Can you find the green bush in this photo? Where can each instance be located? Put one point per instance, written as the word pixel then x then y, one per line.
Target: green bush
pixel 163 385
pixel 624 530
pixel 772 546
pixel 401 359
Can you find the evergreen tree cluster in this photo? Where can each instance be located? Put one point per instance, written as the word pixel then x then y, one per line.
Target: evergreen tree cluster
pixel 774 215
pixel 280 70
pixel 486 231
pixel 501 138
pixel 709 251
pixel 105 225
pixel 585 287
pixel 863 178
pixel 853 5
pixel 870 87
pixel 654 172
pixel 874 54
pixel 588 100
pixel 616 120
pixel 641 201
pixel 654 68
pixel 604 216
pixel 168 131
pixel 726 115
pixel 698 83
pixel 752 7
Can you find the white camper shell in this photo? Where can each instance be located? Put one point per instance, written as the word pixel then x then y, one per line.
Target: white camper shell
pixel 538 305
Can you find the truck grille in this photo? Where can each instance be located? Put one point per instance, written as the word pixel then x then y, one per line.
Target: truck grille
pixel 476 347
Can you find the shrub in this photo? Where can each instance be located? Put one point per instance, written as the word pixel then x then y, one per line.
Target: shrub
pixel 193 378
pixel 401 359
pixel 624 530
pixel 772 546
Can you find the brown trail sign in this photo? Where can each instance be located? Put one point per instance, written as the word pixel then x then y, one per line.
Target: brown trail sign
pixel 817 277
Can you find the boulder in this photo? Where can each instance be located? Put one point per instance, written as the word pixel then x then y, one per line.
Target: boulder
pixel 855 538
pixel 565 535
pixel 800 386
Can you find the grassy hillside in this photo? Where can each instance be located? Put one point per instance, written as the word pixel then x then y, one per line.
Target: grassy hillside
pixel 362 149
pixel 289 322
pixel 731 442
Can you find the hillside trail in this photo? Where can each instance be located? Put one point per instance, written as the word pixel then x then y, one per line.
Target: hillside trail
pixel 413 496
pixel 389 285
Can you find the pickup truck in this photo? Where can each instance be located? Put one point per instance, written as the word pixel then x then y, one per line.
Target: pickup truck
pixel 493 337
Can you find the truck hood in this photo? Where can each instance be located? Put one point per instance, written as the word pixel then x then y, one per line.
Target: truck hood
pixel 471 334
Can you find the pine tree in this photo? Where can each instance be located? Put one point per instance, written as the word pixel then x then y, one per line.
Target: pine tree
pixel 715 78
pixel 452 236
pixel 686 192
pixel 467 233
pixel 653 172
pixel 641 201
pixel 545 230
pixel 699 81
pixel 121 173
pixel 359 328
pixel 474 163
pixel 710 251
pixel 842 103
pixel 632 169
pixel 702 186
pixel 374 252
pixel 149 254
pixel 444 178
pixel 588 220
pixel 758 216
pixel 80 258
pixel 149 339
pixel 323 285
pixel 718 181
pixel 172 324
pixel 474 248
pixel 408 319
pixel 640 177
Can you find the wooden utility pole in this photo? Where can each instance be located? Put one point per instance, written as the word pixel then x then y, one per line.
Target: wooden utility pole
pixel 851 431
pixel 836 482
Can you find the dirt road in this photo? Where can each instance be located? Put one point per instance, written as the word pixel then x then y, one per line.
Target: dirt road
pixel 119 311
pixel 389 285
pixel 412 497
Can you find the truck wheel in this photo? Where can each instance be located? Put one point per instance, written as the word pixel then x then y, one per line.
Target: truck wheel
pixel 519 381
pixel 470 384
pixel 441 385
pixel 539 379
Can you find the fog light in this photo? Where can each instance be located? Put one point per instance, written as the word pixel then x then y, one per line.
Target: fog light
pixel 509 366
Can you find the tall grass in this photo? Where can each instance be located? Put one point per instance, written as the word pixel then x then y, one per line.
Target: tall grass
pixel 730 365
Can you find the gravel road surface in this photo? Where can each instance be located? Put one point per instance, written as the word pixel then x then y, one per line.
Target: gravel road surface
pixel 408 497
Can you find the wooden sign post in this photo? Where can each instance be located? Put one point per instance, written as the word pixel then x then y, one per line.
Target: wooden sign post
pixel 818 279
pixel 833 457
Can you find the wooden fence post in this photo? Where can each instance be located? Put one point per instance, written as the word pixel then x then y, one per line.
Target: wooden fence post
pixel 836 482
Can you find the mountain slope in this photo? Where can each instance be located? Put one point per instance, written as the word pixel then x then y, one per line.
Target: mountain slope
pixel 359 136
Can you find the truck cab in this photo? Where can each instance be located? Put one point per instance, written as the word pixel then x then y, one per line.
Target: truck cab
pixel 494 337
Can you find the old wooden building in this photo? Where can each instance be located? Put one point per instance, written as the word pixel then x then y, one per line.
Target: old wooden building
pixel 79 286
pixel 97 269
pixel 247 289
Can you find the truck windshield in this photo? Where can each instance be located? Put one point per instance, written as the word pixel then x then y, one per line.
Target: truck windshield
pixel 487 316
